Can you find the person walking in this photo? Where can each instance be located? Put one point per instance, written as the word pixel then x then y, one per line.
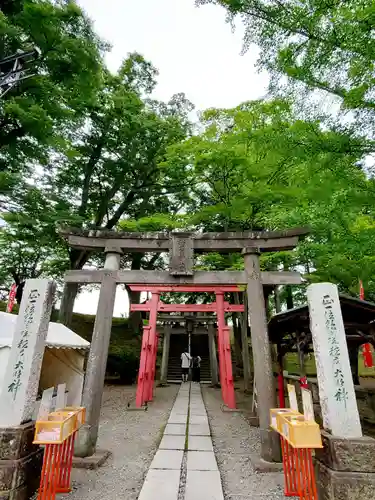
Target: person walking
pixel 185 365
pixel 196 365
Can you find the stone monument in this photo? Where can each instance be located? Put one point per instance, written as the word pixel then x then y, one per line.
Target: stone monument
pixel 346 465
pixel 20 460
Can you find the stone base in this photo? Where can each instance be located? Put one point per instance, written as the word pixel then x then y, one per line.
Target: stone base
pixel 350 455
pixel 225 409
pixel 261 465
pixel 253 420
pixel 17 494
pixel 337 485
pixel 345 468
pixel 93 462
pixel 20 462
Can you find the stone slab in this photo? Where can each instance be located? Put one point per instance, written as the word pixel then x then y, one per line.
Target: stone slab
pixel 21 493
pixel 352 455
pixel 337 485
pixel 17 442
pixel 199 430
pixel 170 442
pixel 198 419
pixel 201 460
pixel 15 474
pixel 20 383
pixel 194 411
pixel 160 483
pixel 261 465
pixel 203 485
pixel 177 419
pixel 167 459
pixel 94 462
pixel 200 443
pixel 177 411
pixel 335 380
pixel 181 255
pixel 175 429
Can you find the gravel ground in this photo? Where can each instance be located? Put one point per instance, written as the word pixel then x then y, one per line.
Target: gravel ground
pixel 234 443
pixel 132 437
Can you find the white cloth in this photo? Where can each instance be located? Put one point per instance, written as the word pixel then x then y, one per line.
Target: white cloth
pixel 185 360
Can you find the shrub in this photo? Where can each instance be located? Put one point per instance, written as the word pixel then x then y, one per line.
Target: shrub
pixel 123 362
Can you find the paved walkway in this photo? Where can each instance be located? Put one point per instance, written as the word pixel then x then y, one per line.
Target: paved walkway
pixel 185 467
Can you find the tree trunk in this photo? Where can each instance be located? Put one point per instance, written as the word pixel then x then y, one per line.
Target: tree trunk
pixel 67 304
pixel 78 259
pixel 277 300
pixel 289 297
pixel 353 358
pixel 135 318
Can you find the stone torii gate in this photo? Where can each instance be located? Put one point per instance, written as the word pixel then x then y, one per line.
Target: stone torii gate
pixel 181 248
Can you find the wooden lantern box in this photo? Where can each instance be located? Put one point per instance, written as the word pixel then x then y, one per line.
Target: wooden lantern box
pixel 79 410
pixel 299 433
pixel 55 430
pixel 280 411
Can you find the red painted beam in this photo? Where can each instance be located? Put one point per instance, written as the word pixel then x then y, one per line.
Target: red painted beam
pixel 188 307
pixel 185 288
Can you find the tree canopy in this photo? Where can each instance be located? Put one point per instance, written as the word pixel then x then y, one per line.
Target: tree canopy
pixel 83 146
pixel 326 46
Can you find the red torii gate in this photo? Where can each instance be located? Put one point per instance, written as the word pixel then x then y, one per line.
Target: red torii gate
pixel 146 375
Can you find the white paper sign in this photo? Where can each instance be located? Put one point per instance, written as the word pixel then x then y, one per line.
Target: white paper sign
pixel 61 396
pixel 293 403
pixel 46 404
pixel 308 407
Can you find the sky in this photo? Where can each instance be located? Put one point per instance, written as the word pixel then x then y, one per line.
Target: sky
pixel 194 50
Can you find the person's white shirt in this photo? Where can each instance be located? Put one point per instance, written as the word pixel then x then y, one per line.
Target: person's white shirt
pixel 185 360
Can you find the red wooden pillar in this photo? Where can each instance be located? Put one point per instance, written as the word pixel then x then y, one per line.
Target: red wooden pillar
pixel 231 398
pixel 152 345
pixel 140 396
pixel 153 367
pixel 225 358
pixel 220 326
pixel 147 363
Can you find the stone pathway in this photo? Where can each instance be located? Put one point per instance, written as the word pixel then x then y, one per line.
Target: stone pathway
pixel 133 438
pixel 185 467
pixel 236 444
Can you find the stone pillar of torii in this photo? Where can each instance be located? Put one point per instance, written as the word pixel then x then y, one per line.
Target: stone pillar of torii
pixel 181 248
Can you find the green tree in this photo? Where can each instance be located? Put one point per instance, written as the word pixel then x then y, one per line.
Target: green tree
pixel 259 167
pixel 324 45
pixel 109 171
pixel 67 75
pixel 29 245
